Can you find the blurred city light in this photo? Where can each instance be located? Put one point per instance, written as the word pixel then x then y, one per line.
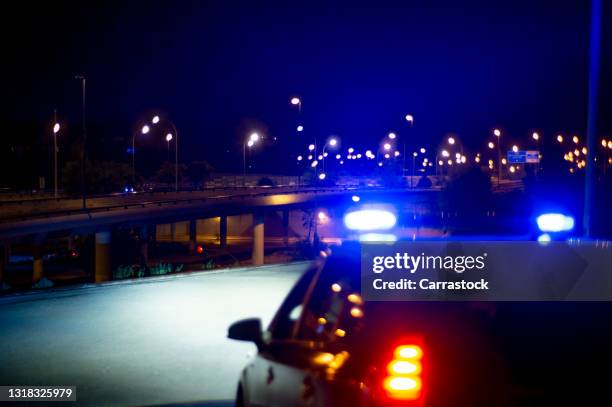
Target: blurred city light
pixel 155 120
pixel 56 128
pixel 295 101
pixel 300 128
pixel 145 129
pixel 392 136
pixel 497 132
pixel 169 137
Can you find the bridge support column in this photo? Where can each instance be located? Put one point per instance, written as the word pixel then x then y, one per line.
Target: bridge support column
pixel 223 232
pixel 144 245
pixel 103 258
pixel 37 265
pixel 286 227
pixel 193 236
pixel 4 255
pixel 258 238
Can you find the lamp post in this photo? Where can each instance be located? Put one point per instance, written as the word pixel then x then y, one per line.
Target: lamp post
pixel 84 138
pixel 332 142
pixel 497 133
pixel 410 119
pixel 168 140
pixel 250 142
pixel 144 130
pixel 156 120
pixel 56 129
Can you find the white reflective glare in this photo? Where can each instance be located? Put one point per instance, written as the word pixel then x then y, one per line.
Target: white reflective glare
pixel 370 219
pixel 555 222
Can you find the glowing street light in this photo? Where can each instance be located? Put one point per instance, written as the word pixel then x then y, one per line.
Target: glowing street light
pixel 168 140
pixel 311 147
pixel 535 136
pixel 575 139
pixel 410 119
pixel 351 150
pixel 387 146
pixel 56 129
pixel 250 142
pixel 497 132
pixel 491 145
pixel 392 136
pixel 155 120
pixel 445 153
pixel 560 138
pixel 451 140
pixel 332 142
pixel 422 150
pixel 145 129
pixel 515 148
pixel 295 101
pixel 300 128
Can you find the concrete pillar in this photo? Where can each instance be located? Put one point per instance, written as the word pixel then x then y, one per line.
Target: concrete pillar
pixel 144 245
pixel 3 262
pixel 103 257
pixel 223 232
pixel 37 265
pixel 193 236
pixel 286 227
pixel 258 238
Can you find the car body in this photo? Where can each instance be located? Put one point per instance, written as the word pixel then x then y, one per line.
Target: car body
pixel 328 347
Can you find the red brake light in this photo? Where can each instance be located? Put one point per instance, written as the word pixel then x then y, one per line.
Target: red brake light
pixel 404 381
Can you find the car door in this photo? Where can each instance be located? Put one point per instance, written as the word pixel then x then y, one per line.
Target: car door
pixel 303 365
pixel 265 371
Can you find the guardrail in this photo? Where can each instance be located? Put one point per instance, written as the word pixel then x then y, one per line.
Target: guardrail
pixel 107 208
pixel 141 193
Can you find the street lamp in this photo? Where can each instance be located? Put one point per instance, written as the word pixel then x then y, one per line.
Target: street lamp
pixel 451 140
pixel 497 133
pixel 331 142
pixel 392 136
pixel 56 129
pixel 168 140
pixel 143 130
pixel 410 119
pixel 249 142
pixel 295 101
pixel 155 120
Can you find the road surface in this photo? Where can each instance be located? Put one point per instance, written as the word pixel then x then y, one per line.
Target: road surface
pixel 161 341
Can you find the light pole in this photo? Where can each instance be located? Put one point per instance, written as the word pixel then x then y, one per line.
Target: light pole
pixel 168 140
pixel 144 130
pixel 250 142
pixel 332 142
pixel 84 138
pixel 156 120
pixel 56 129
pixel 410 119
pixel 536 137
pixel 497 133
pixel 296 101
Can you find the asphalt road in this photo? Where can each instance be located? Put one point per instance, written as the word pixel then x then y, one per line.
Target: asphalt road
pixel 152 342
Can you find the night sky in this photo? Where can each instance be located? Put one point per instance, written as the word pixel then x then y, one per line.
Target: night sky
pixel 220 69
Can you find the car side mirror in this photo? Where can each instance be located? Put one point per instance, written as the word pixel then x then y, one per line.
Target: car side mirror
pixel 246 330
